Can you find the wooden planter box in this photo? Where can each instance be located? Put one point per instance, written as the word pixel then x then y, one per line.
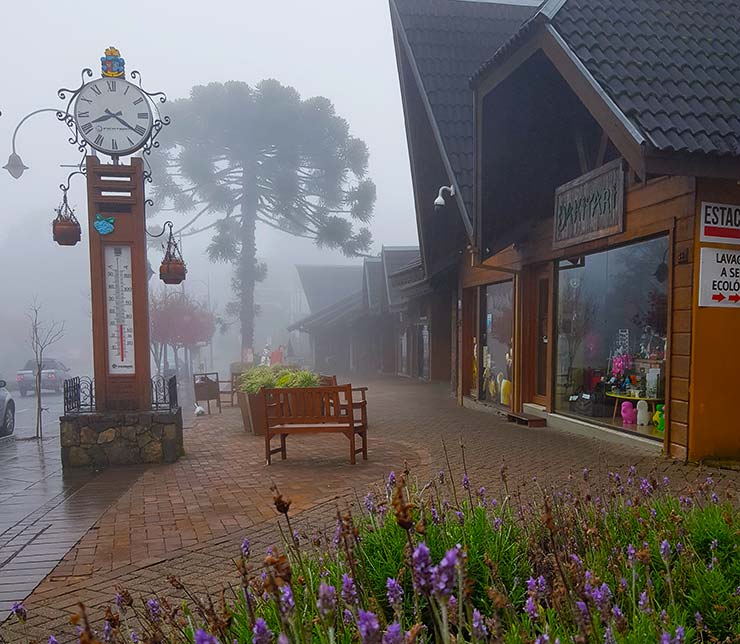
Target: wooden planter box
pixel 252 407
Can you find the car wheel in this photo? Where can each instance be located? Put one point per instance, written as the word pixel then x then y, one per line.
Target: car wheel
pixel 9 421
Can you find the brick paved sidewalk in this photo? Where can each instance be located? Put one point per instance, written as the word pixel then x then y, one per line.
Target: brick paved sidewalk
pixel 189 518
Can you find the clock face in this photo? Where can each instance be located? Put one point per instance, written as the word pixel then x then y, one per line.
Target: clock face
pixel 113 116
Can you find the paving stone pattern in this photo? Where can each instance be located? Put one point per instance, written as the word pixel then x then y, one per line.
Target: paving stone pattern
pixel 188 518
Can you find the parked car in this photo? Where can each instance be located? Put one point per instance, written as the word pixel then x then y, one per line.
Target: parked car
pixel 52 376
pixel 7 411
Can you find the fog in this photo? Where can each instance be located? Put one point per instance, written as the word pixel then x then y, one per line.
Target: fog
pixel 341 49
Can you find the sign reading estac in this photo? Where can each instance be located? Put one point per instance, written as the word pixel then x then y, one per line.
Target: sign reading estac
pixel 719 278
pixel 720 223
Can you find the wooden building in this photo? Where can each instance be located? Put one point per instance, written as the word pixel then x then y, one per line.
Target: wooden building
pixel 601 208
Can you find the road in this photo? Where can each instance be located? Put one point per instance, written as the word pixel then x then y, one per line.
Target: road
pixel 25 415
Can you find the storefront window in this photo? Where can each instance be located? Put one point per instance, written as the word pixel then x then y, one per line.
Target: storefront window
pixel 497 381
pixel 612 315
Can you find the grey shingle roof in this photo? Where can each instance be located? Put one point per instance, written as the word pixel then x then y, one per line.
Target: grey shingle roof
pixel 394 259
pixel 326 285
pixel 346 309
pixel 374 286
pixel 672 66
pixel 449 40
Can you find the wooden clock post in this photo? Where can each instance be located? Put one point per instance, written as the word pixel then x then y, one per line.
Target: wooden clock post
pixel 119 283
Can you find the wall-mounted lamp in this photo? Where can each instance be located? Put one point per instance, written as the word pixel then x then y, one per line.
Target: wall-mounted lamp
pixel 439 202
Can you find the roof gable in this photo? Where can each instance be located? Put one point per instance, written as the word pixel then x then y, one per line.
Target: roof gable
pixel 395 259
pixel 326 285
pixel 448 41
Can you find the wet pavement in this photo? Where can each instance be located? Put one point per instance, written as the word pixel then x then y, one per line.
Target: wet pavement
pixel 43 511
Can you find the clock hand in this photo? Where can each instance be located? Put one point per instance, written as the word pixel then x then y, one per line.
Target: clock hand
pixel 122 122
pixel 108 115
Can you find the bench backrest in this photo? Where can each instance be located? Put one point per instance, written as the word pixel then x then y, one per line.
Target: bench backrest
pixel 306 405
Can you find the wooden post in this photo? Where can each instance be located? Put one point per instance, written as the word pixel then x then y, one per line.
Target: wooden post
pixel 115 196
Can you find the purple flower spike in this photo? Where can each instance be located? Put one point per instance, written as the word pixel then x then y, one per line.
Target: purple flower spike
pixel 260 633
pixel 497 523
pixel 327 601
pixel 347 616
pixel 665 638
pixel 246 547
pixel 452 604
pixel 369 504
pixel 466 482
pixel 480 631
pixel 287 602
pixel 631 552
pixel 153 609
pixel 644 603
pixel 435 516
pixel 202 637
pixel 699 621
pixel 394 593
pixel 19 611
pixel 349 590
pixel 422 571
pixel 393 634
pixel 585 474
pixel 367 624
pixel 531 607
pixel 445 574
pixel 391 482
pixel 680 636
pixel 53 640
pixel 283 639
pixel 665 549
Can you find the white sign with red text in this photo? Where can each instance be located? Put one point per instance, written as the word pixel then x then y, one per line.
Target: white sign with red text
pixel 719 278
pixel 720 223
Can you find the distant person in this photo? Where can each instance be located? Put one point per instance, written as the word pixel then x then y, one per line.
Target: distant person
pixel 276 357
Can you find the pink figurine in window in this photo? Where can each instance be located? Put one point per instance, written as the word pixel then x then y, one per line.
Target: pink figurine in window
pixel 629 413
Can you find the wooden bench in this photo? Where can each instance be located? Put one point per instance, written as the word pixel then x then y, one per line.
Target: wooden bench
pixel 311 410
pixel 530 420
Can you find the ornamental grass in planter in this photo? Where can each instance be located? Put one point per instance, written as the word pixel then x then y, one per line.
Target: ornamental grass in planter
pixel 621 561
pixel 254 380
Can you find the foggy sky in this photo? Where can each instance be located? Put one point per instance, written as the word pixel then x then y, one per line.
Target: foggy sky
pixel 341 49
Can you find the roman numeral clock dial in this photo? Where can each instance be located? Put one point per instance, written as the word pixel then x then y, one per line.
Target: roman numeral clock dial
pixel 113 116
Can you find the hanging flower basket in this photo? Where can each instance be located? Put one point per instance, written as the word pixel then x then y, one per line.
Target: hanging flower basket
pixel 65 227
pixel 172 271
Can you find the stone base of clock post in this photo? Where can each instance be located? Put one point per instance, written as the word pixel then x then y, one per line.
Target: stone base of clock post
pixel 121 438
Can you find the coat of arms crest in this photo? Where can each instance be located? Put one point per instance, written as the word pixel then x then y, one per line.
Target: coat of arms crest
pixel 113 66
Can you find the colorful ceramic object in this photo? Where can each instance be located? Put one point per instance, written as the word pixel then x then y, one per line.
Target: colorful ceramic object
pixel 629 413
pixel 643 415
pixel 112 65
pixel 104 225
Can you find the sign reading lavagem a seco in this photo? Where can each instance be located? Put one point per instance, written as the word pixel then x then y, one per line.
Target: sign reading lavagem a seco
pixel 719 278
pixel 720 223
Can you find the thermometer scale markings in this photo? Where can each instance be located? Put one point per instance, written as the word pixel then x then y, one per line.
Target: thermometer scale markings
pixel 119 305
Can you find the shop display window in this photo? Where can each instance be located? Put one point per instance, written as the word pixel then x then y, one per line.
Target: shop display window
pixel 612 318
pixel 497 358
pixel 403 363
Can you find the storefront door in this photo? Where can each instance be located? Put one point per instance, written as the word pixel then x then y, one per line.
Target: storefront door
pixel 542 301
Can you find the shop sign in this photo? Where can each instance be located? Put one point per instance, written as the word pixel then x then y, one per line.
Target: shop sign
pixel 590 207
pixel 720 223
pixel 719 278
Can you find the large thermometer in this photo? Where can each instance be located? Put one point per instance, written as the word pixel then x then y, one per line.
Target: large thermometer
pixel 119 310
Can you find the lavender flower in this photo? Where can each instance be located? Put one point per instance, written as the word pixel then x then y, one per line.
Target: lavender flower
pixel 391 482
pixel 53 640
pixel 666 481
pixel 715 498
pixel 665 638
pixel 531 607
pixel 585 474
pixel 287 602
pixel 466 482
pixel 393 634
pixel 152 606
pixel 107 631
pixel 367 624
pixel 260 633
pixel 680 636
pixel 201 637
pixel 394 593
pixel 460 517
pixel 480 631
pixel 369 504
pixel 609 636
pixel 497 523
pixel 665 550
pixel 679 548
pixel 327 601
pixel 349 590
pixel 435 516
pixel 631 553
pixel 644 603
pixel 481 494
pixel 617 613
pixel 283 639
pixel 452 604
pixel 699 621
pixel 422 570
pixel 134 637
pixel 633 470
pixel 246 547
pixel 623 583
pixel 19 611
pixel 709 481
pixel 646 487
pixel 347 616
pixel 444 575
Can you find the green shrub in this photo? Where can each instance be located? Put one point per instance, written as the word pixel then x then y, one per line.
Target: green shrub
pixel 276 376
